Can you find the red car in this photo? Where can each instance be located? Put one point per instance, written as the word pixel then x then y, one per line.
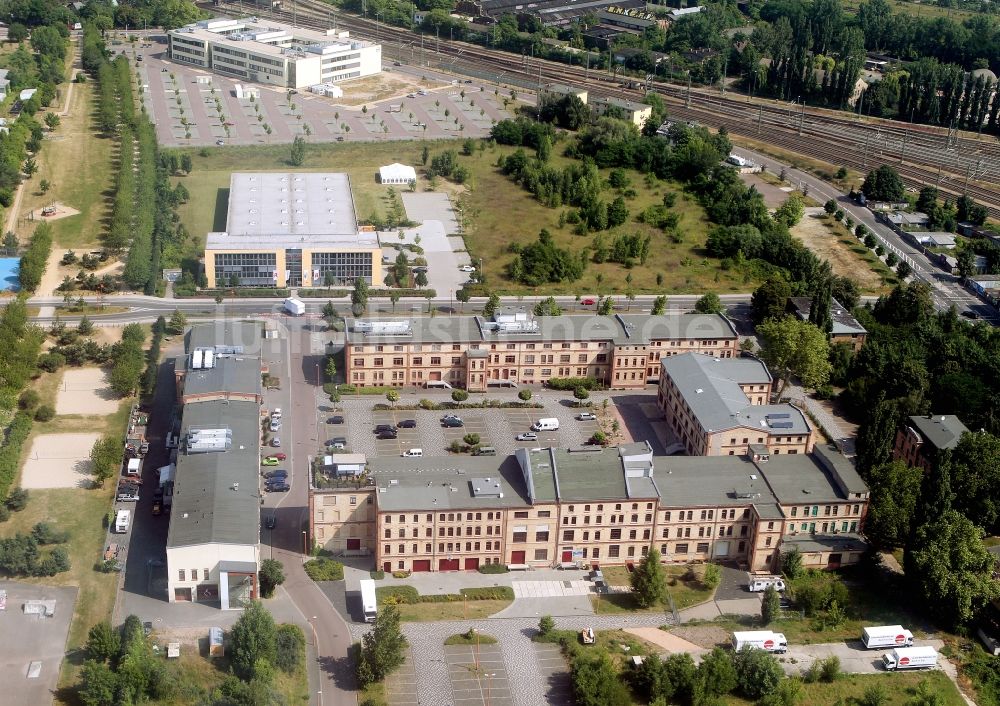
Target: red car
pixel 588 301
pixel 280 457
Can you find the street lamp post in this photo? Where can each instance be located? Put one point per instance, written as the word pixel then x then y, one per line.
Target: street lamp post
pixel 305 543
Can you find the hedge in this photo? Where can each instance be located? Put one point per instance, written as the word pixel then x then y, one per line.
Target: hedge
pixel 588 383
pixel 323 569
pixel 493 569
pixel 432 405
pixel 396 595
pixel 239 293
pixel 489 593
pixel 10 452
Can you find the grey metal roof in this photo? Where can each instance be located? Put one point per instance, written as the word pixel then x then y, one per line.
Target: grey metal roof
pixel 942 431
pixel 290 209
pixel 829 456
pixel 225 332
pixel 826 542
pixel 638 329
pixel 230 374
pixel 844 322
pixel 711 388
pixel 686 481
pixel 799 478
pixel 217 495
pixel 589 473
pixel 445 483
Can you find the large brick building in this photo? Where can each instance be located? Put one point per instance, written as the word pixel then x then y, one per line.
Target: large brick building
pixel 919 440
pixel 720 407
pixel 514 347
pixel 551 506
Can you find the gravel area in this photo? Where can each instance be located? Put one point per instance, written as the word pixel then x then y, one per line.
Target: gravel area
pixel 705 636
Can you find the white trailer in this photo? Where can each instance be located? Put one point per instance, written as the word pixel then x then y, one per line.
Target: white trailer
pixel 760 640
pixel 368 601
pixel 294 306
pixel 924 657
pixel 121 521
pixel 881 636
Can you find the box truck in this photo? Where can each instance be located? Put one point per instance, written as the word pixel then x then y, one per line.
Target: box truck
pixel 294 306
pixel 886 636
pixel 760 640
pixel 924 657
pixel 368 602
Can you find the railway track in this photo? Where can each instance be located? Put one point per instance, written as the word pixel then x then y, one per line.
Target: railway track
pixel 923 155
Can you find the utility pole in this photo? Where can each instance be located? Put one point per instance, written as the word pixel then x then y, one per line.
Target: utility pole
pixel 760 118
pixel 689 90
pixel 867 137
pixel 725 68
pixel 802 117
pixel 902 152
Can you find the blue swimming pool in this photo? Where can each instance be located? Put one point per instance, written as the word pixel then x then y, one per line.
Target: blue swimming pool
pixel 8 273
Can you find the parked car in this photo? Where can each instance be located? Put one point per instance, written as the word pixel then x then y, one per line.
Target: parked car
pixel 449 416
pixel 278 487
pixel 269 461
pixel 389 434
pixel 276 442
pixel 453 422
pixel 588 301
pixel 337 442
pixel 220 143
pixel 467 268
pixel 413 453
pixel 527 436
pixel 407 424
pixel 275 425
pixel 586 417
pixel 277 473
pixel 384 427
pixel 279 456
pixel 335 420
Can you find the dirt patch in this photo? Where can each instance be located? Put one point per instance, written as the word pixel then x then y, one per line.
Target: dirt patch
pixel 704 636
pixel 671 642
pixel 773 195
pixel 61 211
pixel 59 461
pixel 384 86
pixel 814 233
pixel 85 391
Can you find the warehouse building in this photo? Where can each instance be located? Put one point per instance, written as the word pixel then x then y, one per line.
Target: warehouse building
pixel 273 53
pixel 291 230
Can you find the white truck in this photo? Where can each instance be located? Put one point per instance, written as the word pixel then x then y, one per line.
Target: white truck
pixel 760 640
pixel 924 657
pixel 761 583
pixel 294 306
pixel 368 601
pixel 886 636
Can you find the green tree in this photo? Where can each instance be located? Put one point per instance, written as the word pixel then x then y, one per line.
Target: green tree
pixel 103 642
pixel 895 489
pixel 830 207
pixel 606 307
pixel 595 683
pixel 877 435
pixel 52 121
pixel 421 279
pixel 524 395
pixel 757 672
pixel 272 575
pixel 252 638
pixel 331 368
pixel 105 458
pixel 770 607
pixel 178 322
pixel 791 211
pixel 548 307
pixel 546 625
pixel 791 564
pixel 819 308
pixel 716 673
pixel 44 185
pixel 966 263
pixel 359 296
pixel 463 295
pixel 392 396
pixel 790 347
pixel 459 395
pixel 709 304
pixel 660 305
pixel 903 270
pixel 953 568
pixel 883 184
pixel 770 299
pixel 381 648
pixel 581 394
pixel 85 327
pixel 98 684
pixel 298 153
pixel 649 580
pixel 491 306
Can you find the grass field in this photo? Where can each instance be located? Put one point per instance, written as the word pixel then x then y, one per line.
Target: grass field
pixel 465 639
pixel 918 9
pixel 488 204
pixel 684 593
pixel 457 610
pixel 900 689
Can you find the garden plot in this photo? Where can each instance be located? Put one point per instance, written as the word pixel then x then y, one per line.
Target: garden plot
pixel 59 461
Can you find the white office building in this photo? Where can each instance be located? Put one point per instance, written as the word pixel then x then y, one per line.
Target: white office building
pixel 273 53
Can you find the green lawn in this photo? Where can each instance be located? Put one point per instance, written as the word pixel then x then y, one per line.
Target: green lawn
pixel 899 687
pixel 488 205
pixel 456 610
pixel 464 638
pixel 685 590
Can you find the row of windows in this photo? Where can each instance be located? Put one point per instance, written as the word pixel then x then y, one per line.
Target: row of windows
pixel 230 52
pixel 688 515
pixel 455 517
pixel 828 510
pixel 825 527
pixel 342 57
pixel 181 573
pixel 444 531
pixel 685 532
pixel 570 535
pixel 443 547
pixel 613 519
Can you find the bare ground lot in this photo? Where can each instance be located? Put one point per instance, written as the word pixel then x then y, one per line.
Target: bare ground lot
pixel 816 236
pixel 85 391
pixel 387 84
pixel 59 461
pixel 773 195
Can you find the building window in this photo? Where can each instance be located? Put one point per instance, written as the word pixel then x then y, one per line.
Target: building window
pixel 520 537
pixel 541 554
pixel 387 549
pixel 702 548
pixel 616 534
pixel 613 551
pixel 680 549
pixel 354 500
pixel 567 535
pixel 521 514
pixel 542 536
pixel 548 513
pixel 181 575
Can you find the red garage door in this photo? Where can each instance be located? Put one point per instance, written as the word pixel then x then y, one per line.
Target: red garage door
pixel 471 564
pixel 421 564
pixel 448 565
pixel 517 557
pixel 353 545
pixel 567 556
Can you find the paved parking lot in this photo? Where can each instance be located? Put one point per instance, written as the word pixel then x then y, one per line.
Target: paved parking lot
pixel 194 107
pixel 478 681
pixel 496 427
pixel 547 589
pixel 555 674
pixel 401 685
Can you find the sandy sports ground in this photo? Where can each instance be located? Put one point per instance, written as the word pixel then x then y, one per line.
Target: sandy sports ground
pixel 59 461
pixel 85 391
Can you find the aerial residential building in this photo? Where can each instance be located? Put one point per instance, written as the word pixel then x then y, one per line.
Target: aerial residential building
pixel 919 440
pixel 514 347
pixel 212 540
pixel 270 52
pixel 555 91
pixel 291 230
pixel 635 113
pixel 846 329
pixel 719 406
pixel 551 507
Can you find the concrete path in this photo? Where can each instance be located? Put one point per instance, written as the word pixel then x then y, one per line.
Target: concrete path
pixel 843 440
pixel 551 589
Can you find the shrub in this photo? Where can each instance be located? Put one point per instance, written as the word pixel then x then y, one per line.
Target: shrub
pixel 493 569
pixel 44 533
pixel 524 395
pixel 570 384
pixel 4 513
pixel 324 569
pixel 829 670
pixel 28 400
pixel 17 500
pixel 290 644
pixel 397 595
pixel 378 574
pixel 272 575
pixel 471 439
pixel 712 576
pixel 459 395
pixel 546 625
pixel 400 574
pixel 44 413
pixel 488 593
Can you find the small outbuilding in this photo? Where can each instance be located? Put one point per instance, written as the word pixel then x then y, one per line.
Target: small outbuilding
pixel 397 173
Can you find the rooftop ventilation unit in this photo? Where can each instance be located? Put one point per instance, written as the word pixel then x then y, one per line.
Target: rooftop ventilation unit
pixel 485 488
pixel 197 358
pixel 202 441
pixel 383 328
pixel 209 358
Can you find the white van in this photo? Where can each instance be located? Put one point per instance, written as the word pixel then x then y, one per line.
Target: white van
pixel 545 424
pixel 437 385
pixel 761 583
pixel 413 453
pixel 122 520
